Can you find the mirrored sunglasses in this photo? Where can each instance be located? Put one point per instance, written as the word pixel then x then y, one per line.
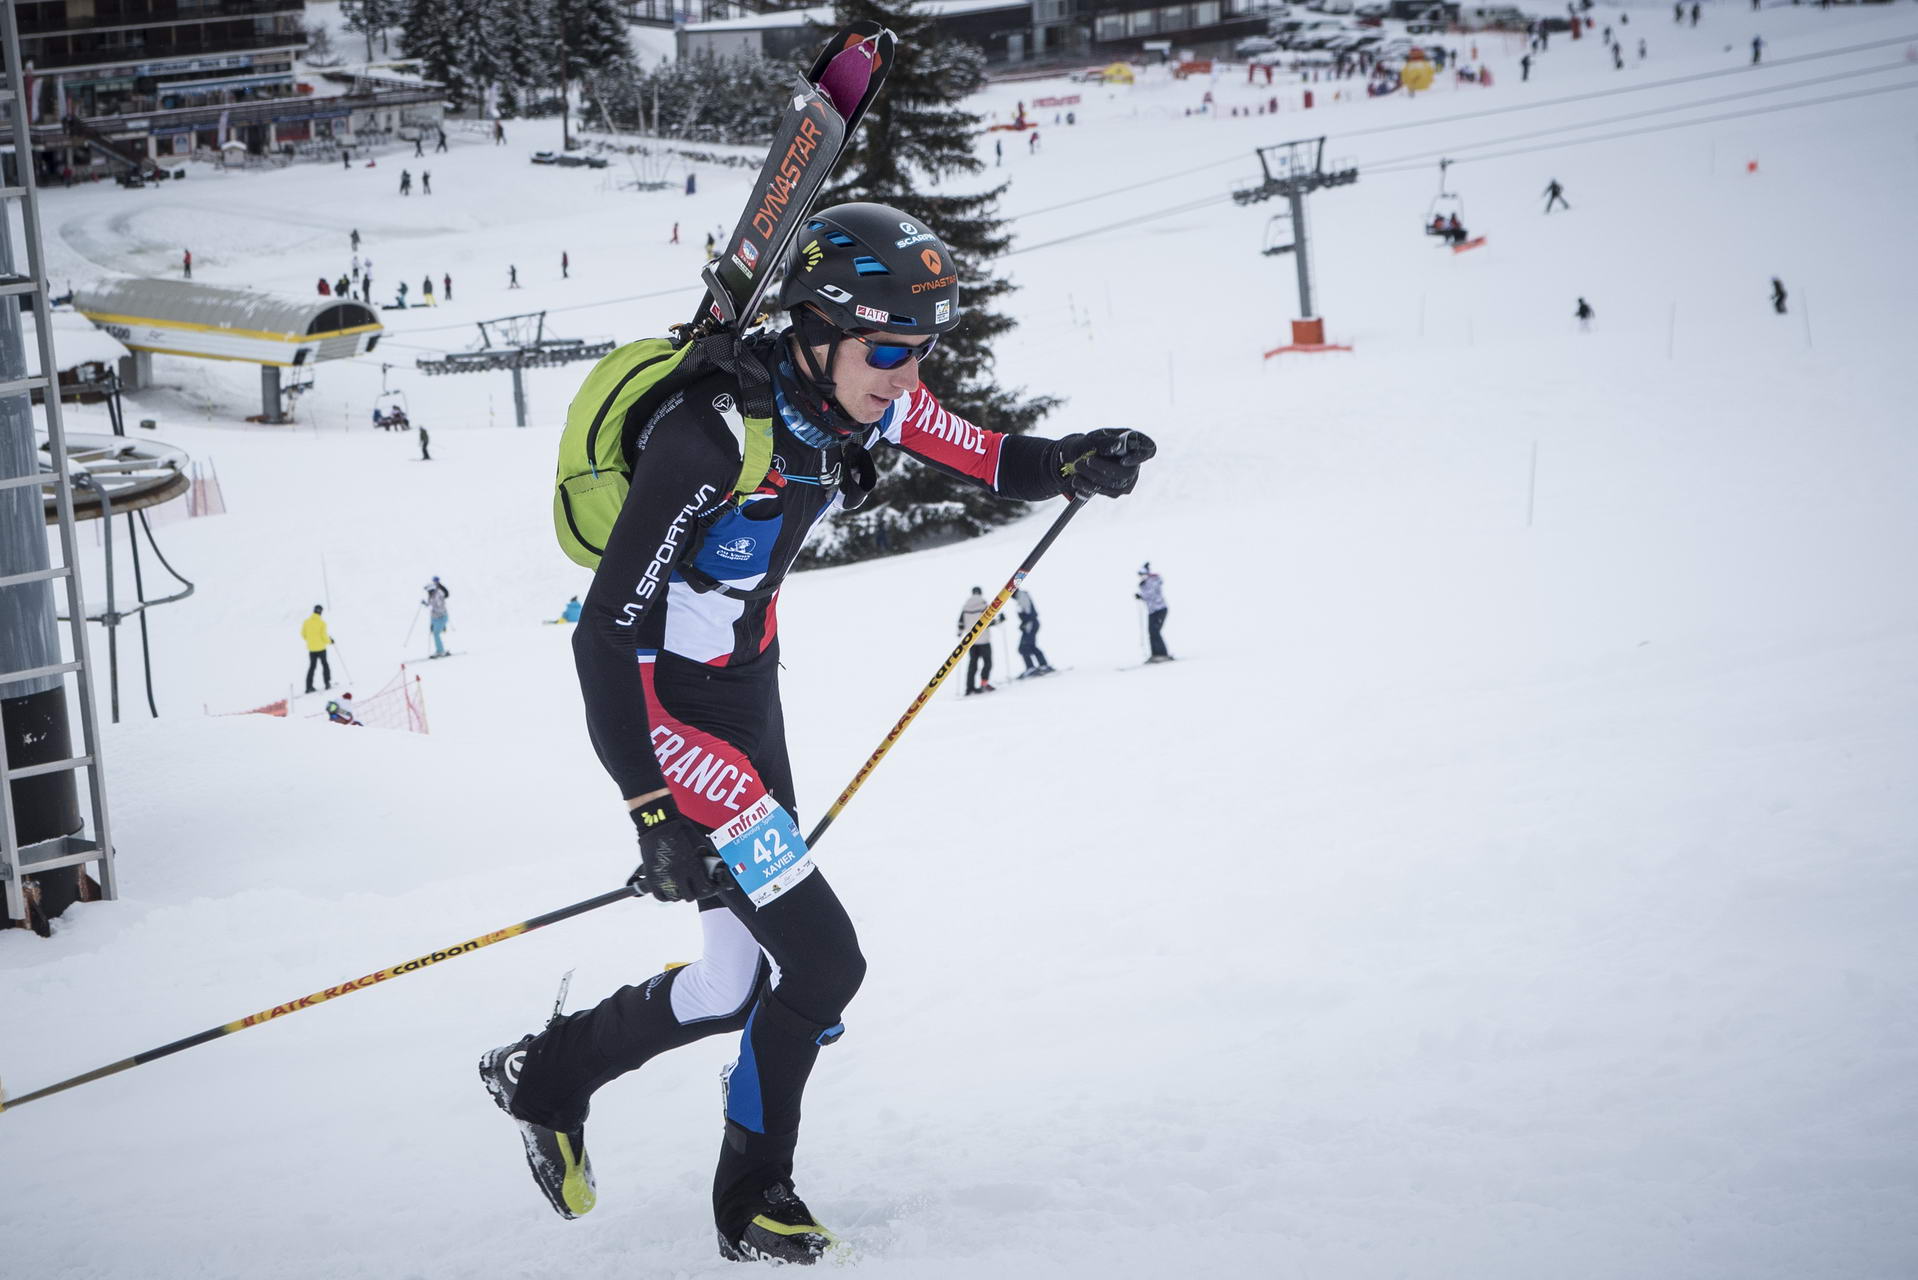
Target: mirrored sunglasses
pixel 891 355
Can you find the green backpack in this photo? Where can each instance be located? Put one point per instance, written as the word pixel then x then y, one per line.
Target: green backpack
pixel 621 393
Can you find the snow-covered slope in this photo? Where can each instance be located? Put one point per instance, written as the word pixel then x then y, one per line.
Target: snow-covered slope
pixel 1511 878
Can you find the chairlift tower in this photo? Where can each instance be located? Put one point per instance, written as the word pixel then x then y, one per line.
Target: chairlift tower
pixel 517 343
pixel 1294 170
pixel 47 837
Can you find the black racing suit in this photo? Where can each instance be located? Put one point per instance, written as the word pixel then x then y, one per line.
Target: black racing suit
pixel 681 690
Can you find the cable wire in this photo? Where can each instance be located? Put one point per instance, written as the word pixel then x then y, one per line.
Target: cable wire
pixel 1488 111
pixel 1190 206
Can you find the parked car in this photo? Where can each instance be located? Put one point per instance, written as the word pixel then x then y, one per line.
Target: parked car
pixel 1254 44
pixel 1325 39
pixel 1496 17
pixel 1432 20
pixel 1311 34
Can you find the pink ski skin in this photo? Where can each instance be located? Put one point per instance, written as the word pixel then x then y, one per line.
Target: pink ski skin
pixel 846 78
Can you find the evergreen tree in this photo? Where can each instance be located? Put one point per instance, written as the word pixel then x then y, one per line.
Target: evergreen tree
pixel 587 36
pixel 735 99
pixel 373 17
pixel 429 31
pixel 480 39
pixel 915 135
pixel 526 62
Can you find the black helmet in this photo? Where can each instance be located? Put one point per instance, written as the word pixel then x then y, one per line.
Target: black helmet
pixel 870 266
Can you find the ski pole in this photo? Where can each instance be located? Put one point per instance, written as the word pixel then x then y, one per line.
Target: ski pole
pixel 563 913
pixel 320 997
pixel 945 668
pixel 414 623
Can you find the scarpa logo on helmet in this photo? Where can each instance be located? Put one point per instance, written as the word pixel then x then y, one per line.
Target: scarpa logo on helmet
pixel 912 237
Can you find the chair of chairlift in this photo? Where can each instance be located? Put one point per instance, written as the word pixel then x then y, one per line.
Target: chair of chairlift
pixel 1278 236
pixel 1445 206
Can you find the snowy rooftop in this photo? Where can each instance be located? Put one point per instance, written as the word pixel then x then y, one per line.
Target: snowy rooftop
pixel 822 15
pixel 76 341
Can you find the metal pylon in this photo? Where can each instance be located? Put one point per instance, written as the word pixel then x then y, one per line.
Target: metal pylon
pixel 25 671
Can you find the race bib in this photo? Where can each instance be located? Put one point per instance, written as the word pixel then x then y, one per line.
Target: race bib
pixel 764 851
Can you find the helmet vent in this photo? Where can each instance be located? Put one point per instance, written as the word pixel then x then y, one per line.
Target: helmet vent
pixel 869 266
pixel 840 238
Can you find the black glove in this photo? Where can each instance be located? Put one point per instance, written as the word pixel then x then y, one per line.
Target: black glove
pixel 672 854
pixel 1103 462
pixel 859 477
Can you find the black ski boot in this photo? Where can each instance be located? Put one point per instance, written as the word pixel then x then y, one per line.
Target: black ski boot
pixel 780 1229
pixel 556 1157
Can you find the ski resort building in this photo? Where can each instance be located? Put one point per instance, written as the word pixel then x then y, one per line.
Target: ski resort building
pixel 1011 32
pixel 119 86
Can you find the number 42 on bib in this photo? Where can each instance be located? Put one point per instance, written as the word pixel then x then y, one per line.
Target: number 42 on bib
pixel 763 851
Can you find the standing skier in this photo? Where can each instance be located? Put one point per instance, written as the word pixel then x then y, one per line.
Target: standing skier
pixel 1035 660
pixel 1584 316
pixel 679 664
pixel 1778 295
pixel 317 638
pixel 1152 593
pixel 1555 192
pixel 436 594
pixel 565 265
pixel 426 454
pixel 186 262
pixel 979 657
pixel 447 280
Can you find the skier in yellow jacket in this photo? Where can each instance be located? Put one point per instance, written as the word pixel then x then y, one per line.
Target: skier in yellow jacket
pixel 314 632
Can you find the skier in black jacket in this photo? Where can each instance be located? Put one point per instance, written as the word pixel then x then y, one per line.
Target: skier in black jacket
pixel 678 659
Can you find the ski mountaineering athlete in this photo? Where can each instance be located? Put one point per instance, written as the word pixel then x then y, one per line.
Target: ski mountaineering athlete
pixel 678 660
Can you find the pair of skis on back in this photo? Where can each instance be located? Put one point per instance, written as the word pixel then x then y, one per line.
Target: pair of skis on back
pixel 820 118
